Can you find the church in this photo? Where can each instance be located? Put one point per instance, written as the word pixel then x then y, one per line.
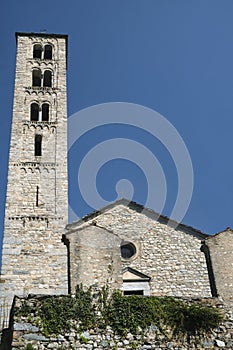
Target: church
pixel 123 245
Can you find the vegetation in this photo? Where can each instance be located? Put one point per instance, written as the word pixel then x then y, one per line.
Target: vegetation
pixel 128 313
pixel 29 347
pixel 123 314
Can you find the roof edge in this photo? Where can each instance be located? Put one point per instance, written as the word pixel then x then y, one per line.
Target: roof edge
pixel 147 211
pixel 220 232
pixel 143 276
pixel 65 36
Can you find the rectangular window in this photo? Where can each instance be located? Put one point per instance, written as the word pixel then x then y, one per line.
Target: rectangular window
pixel 38 145
pixel 133 292
pixel 37 196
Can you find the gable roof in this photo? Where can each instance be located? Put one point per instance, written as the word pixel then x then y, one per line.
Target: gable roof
pixel 140 209
pixel 228 229
pixel 73 228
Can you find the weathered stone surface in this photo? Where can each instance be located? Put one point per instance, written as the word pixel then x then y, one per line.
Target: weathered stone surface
pixel 33 257
pixel 167 261
pixel 220 249
pixel 106 339
pixel 154 337
pixel 25 327
pixel 219 343
pixel 95 258
pixel 32 336
pixel 171 258
pixel 85 335
pixel 60 338
pixel 104 343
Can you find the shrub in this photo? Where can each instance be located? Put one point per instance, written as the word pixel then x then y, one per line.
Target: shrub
pixel 123 313
pixel 56 314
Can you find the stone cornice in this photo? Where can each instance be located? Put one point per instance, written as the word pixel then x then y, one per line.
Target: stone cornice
pixel 35 164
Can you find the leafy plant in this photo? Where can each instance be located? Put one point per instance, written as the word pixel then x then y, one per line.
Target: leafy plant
pixel 25 309
pixel 128 313
pixel 56 314
pixel 84 309
pixel 29 347
pixel 83 339
pixel 124 314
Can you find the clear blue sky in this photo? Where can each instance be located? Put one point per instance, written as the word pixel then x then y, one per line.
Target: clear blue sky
pixel 174 56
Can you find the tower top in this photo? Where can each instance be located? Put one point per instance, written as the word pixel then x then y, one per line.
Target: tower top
pixel 44 35
pixel 65 36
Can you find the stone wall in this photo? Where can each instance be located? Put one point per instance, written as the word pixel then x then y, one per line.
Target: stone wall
pixel 170 257
pixel 24 333
pixel 33 256
pixel 94 258
pixel 220 247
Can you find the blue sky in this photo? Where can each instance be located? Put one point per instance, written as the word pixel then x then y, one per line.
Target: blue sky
pixel 175 57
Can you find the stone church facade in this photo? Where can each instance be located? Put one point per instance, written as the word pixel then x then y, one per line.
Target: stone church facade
pixel 128 247
pixel 123 245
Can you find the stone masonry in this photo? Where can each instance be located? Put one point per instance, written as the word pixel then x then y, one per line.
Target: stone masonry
pixel 29 334
pixel 34 259
pixel 170 257
pixel 220 247
pixel 124 245
pixel 94 258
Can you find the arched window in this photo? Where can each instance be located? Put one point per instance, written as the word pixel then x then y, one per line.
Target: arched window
pixel 47 78
pixel 48 52
pixel 38 145
pixel 36 77
pixel 34 112
pixel 45 112
pixel 37 51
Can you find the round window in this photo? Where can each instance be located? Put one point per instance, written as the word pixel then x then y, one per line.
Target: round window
pixel 128 250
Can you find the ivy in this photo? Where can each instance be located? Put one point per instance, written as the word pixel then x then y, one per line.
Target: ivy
pixel 58 314
pixel 29 347
pixel 131 312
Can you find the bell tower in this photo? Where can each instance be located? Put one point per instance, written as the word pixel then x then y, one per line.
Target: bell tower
pixel 33 259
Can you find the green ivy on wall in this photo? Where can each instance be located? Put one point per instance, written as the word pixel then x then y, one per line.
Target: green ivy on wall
pixel 58 314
